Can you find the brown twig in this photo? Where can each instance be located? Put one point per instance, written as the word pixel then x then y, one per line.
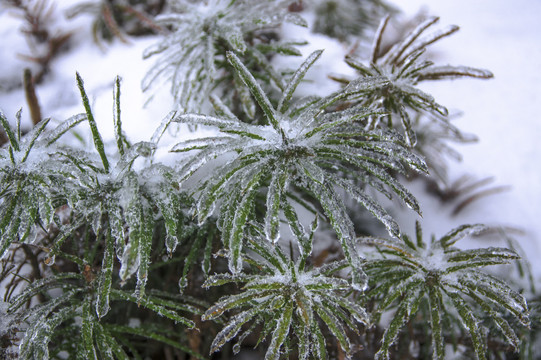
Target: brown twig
pixel 36 270
pixel 3 137
pixel 478 195
pixel 31 97
pixel 37 14
pixel 143 19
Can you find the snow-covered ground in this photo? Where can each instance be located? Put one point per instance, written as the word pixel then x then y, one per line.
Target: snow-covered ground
pixel 499 35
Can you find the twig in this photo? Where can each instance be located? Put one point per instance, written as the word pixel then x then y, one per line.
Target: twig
pixel 31 97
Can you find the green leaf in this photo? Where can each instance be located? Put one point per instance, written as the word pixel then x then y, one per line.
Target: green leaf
pixel 106 277
pixel 235 38
pixel 303 334
pixel 358 313
pixel 221 110
pixel 133 214
pixel 269 253
pixel 305 245
pixel 232 328
pixel 87 327
pixel 438 343
pixel 248 104
pixel 242 213
pixel 11 136
pixel 119 135
pixel 35 133
pixel 295 80
pixel 459 233
pixel 164 124
pixel 64 127
pixel 499 292
pixel 335 120
pixel 280 333
pixel 145 248
pixel 500 321
pixel 215 187
pixel 169 202
pixel 42 285
pixel 43 329
pixel 399 318
pixel 399 289
pixel 335 211
pixel 471 323
pixel 268 71
pixel 153 304
pixel 319 346
pixel 334 325
pixel 205 266
pixel 150 334
pixel 98 142
pixel 190 259
pixel 369 204
pixel 256 90
pixel 399 48
pixel 275 192
pixel 231 302
pixel 108 344
pixel 5 238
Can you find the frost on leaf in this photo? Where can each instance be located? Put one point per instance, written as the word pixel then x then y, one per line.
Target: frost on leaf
pixel 31 176
pixel 451 280
pixel 295 297
pixel 390 79
pixel 296 152
pixel 190 56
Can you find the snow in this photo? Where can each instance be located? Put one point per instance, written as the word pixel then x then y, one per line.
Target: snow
pixel 501 37
pixel 496 35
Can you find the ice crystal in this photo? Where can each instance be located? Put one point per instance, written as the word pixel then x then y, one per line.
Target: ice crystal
pixel 192 53
pixel 73 309
pixel 297 146
pixel 293 296
pixel 395 74
pixel 28 177
pixel 447 279
pixel 121 236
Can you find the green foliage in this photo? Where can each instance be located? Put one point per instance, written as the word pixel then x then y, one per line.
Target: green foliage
pixel 57 319
pixel 287 296
pixel 449 281
pixel 95 212
pixel 300 146
pixel 30 189
pixel 115 196
pixel 344 19
pixel 130 241
pixel 394 74
pixel 192 55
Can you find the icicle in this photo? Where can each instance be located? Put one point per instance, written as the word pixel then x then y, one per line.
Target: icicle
pixel 50 260
pixel 129 263
pixel 276 188
pixel 171 243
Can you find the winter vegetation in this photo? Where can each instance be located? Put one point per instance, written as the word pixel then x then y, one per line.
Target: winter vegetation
pixel 260 217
